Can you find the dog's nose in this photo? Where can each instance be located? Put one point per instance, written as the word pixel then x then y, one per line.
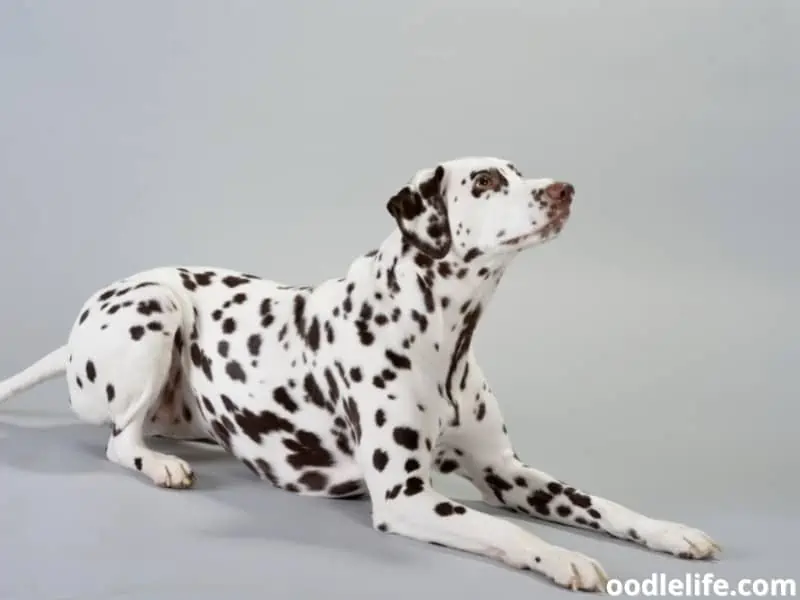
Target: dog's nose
pixel 560 191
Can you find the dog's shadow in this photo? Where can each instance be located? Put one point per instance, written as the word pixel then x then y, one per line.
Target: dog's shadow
pixel 259 510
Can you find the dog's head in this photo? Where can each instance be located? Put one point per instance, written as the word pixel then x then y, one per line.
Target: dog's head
pixel 479 206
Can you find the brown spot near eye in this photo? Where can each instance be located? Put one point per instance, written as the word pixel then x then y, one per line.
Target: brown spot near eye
pixel 487 180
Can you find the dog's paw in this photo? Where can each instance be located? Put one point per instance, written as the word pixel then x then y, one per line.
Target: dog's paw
pixel 170 472
pixel 679 540
pixel 571 570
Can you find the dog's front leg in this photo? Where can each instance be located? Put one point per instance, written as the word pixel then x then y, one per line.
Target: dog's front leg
pixel 394 450
pixel 479 449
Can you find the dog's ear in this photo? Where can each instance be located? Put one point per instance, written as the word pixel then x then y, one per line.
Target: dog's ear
pixel 421 214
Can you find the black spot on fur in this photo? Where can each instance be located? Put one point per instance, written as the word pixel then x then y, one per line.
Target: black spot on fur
pixel 137 462
pixel 498 485
pixel 391 278
pixel 365 336
pixel 481 412
pixel 406 437
pixel 313 480
pixel 445 509
pixel 380 459
pixel 228 325
pixel 91 371
pixel 136 332
pixel 539 501
pixel 254 344
pixel 235 371
pixel 200 359
pixel 393 492
pixel 380 417
pixel 148 307
pixel 420 319
pixel 307 451
pixel 313 335
pixel 282 397
pixel 365 314
pixel 313 391
pixel 265 310
pixel 414 485
pixel 255 426
pixel 110 392
pixel 398 361
pixel 577 498
pixel 333 387
pixel 346 488
pixel 204 279
pixel 310 335
pixel 233 281
pixel 341 372
pixel 448 466
pixel 228 404
pixel 472 254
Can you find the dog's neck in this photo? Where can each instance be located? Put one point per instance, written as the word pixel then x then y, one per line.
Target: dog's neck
pixel 451 293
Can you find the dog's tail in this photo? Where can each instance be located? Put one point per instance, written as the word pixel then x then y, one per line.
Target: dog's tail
pixel 43 369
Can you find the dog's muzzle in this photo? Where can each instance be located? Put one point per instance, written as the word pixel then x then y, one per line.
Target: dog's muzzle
pixel 561 194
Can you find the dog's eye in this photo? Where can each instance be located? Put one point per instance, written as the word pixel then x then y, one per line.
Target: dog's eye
pixel 483 181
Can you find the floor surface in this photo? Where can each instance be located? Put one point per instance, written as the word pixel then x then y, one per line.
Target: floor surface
pixel 76 526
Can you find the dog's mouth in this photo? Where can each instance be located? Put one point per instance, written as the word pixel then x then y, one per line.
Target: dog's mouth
pixel 553 225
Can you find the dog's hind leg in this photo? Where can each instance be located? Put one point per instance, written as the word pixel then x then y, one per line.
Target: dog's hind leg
pixel 127 448
pixel 119 369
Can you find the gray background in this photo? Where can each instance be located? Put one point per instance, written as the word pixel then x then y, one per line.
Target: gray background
pixel 648 355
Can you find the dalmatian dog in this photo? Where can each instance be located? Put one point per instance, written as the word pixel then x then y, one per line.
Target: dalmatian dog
pixel 358 386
